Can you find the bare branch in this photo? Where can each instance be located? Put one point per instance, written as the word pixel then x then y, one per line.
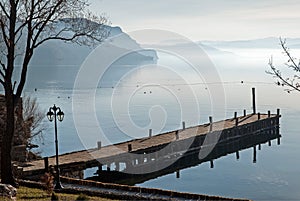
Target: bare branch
pixel 4 35
pixel 33 116
pixel 30 46
pixel 292 83
pixel 2 74
pixel 284 82
pixel 287 53
pixel 3 9
pixel 2 65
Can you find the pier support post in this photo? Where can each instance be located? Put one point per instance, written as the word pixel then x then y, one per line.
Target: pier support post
pixel 178 174
pixel 99 144
pixel 183 125
pixel 150 133
pixel 140 159
pixel 278 112
pixel 210 124
pixel 129 164
pixel 129 147
pixel 278 141
pixel 46 163
pixel 269 114
pixel 177 135
pixel 237 155
pixel 253 101
pixel 245 113
pixel 254 154
pixel 259 147
pixel 117 166
pixel 235 115
pixel 100 168
pixel 270 143
pixel 258 116
pixel 212 164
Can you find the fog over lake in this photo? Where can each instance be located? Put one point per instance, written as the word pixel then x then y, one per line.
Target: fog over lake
pixel 274 176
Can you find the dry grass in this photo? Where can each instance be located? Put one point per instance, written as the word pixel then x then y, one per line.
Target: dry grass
pixel 25 194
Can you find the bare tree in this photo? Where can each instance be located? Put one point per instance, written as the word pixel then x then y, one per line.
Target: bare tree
pixel 290 80
pixel 24 26
pixel 33 117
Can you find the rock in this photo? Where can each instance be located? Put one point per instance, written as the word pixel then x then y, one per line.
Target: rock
pixel 8 191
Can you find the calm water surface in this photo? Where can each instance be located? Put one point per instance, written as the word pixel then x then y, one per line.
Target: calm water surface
pixel 275 175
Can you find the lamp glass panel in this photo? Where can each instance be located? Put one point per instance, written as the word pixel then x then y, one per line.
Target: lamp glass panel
pixel 60 116
pixel 50 116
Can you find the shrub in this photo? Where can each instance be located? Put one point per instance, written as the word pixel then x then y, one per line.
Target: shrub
pixel 82 197
pixel 47 180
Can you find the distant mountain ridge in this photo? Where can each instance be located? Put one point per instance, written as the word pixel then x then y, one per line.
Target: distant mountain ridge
pixel 270 42
pixel 56 63
pixel 57 53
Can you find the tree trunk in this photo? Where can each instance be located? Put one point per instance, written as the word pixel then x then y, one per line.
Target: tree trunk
pixel 6 165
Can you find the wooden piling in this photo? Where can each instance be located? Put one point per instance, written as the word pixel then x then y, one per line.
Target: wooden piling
pixel 235 115
pixel 210 124
pixel 212 164
pixel 253 101
pixel 100 168
pixel 278 112
pixel 129 147
pixel 183 125
pixel 177 135
pixel 258 116
pixel 150 133
pixel 46 163
pixel 237 155
pixel 178 174
pixel 245 113
pixel 254 154
pixel 269 114
pixel 99 144
pixel 117 166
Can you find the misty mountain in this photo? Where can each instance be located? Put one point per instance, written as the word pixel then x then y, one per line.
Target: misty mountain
pixel 56 52
pixel 211 50
pixel 56 63
pixel 183 45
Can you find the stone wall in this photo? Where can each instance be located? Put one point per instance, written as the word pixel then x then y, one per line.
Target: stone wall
pixel 19 151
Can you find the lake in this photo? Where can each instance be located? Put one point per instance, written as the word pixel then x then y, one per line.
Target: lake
pixel 161 98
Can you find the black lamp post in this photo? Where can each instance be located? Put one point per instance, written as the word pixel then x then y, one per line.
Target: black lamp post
pixel 55 114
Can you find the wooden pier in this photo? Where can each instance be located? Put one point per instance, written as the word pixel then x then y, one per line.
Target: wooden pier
pixel 145 155
pixel 191 158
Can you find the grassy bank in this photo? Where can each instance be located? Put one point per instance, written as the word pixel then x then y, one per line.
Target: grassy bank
pixel 25 194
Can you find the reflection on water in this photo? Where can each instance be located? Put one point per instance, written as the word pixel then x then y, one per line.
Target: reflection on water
pixel 191 158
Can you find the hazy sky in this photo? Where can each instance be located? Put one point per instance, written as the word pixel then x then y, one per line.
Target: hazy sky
pixel 206 19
